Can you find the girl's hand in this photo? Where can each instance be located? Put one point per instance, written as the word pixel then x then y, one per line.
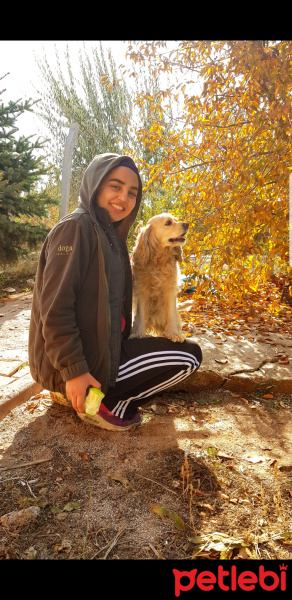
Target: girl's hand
pixel 76 390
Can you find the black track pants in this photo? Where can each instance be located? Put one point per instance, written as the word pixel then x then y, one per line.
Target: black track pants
pixel 149 366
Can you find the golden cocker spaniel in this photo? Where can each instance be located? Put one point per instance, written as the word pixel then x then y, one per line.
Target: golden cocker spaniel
pixel 155 266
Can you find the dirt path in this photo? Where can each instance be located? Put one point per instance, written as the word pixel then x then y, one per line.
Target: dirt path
pixel 206 475
pixel 217 463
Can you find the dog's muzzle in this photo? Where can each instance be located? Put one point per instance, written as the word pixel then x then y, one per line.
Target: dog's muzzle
pixel 181 238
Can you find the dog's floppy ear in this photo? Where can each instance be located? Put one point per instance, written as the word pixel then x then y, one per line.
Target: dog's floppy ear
pixel 141 252
pixel 177 251
pixel 138 229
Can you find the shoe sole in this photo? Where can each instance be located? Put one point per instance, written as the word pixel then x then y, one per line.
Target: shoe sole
pixel 102 424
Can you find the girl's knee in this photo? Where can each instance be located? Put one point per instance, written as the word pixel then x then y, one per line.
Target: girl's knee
pixel 195 349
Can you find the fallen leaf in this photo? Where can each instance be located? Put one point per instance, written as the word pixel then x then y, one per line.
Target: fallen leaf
pixel 120 478
pixel 212 451
pixel 222 455
pixel 197 541
pixel 66 546
pixel 199 493
pixel 243 554
pixel 165 513
pixel 31 406
pixel 221 495
pixel 206 506
pixel 201 400
pixel 218 542
pixel 215 401
pixel 84 456
pixel 244 400
pixel 285 535
pixel 178 522
pixel 254 459
pixel 268 396
pixel 71 506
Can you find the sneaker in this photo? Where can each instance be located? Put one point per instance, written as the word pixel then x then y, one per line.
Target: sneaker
pixel 106 420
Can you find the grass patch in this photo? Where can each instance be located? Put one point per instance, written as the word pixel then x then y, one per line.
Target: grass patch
pixel 16 275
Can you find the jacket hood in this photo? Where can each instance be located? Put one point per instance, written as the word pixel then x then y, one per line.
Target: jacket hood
pixel 95 172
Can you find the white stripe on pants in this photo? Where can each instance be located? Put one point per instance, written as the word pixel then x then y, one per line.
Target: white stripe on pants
pixel 144 374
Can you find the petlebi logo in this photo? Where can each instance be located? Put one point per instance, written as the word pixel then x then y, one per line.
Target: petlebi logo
pixel 231 579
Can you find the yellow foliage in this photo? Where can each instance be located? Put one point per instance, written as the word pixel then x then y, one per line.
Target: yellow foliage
pixel 228 155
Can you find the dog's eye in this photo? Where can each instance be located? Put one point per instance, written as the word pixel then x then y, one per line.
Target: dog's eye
pixel 169 222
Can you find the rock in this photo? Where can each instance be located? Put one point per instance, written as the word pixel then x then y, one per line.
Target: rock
pixel 30 553
pixel 19 518
pixel 158 409
pixel 242 365
pixel 9 290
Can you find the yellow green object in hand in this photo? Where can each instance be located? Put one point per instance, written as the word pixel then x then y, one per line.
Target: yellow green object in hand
pixel 92 401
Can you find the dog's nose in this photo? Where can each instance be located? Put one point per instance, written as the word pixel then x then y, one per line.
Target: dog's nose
pixel 186 226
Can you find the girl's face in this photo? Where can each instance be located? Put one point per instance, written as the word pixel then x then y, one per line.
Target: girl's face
pixel 117 192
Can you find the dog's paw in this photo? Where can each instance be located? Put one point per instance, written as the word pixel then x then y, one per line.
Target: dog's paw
pixel 175 336
pixel 137 334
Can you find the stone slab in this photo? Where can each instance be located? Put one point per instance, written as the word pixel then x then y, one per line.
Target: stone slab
pixel 4 381
pixel 16 393
pixel 241 364
pixel 9 367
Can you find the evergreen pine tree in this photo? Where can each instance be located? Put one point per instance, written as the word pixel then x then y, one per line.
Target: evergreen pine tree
pixel 23 204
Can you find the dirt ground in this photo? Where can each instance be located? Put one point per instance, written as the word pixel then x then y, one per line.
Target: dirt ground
pixel 206 476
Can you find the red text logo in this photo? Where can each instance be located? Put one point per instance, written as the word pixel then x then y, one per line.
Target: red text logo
pixel 226 580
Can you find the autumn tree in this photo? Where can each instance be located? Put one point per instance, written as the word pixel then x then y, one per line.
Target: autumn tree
pixel 228 156
pixel 95 94
pixel 24 202
pixel 77 95
pixel 147 113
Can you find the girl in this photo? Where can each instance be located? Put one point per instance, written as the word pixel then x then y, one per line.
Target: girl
pixel 82 306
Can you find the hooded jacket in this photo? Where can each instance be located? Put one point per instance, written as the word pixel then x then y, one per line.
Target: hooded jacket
pixel 83 290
